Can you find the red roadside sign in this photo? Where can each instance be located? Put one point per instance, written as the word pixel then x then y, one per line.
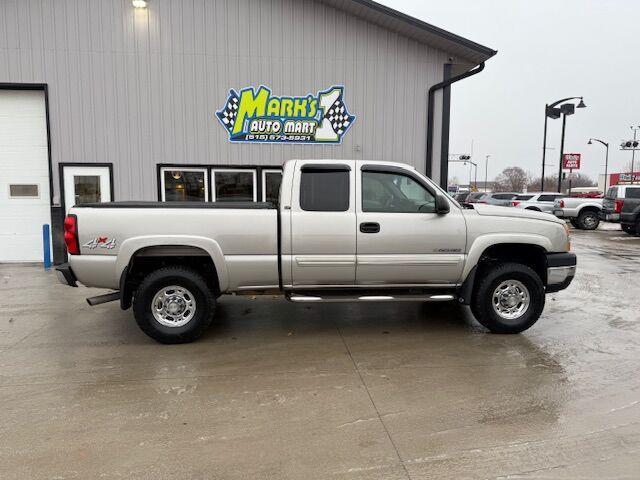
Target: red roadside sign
pixel 571 161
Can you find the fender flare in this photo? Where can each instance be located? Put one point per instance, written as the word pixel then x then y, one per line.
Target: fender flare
pixel 131 246
pixel 483 242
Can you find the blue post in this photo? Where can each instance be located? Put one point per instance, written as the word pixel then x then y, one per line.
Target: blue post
pixel 46 244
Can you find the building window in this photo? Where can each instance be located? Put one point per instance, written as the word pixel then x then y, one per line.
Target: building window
pixel 271 180
pixel 24 191
pixel 180 184
pixel 234 185
pixel 86 188
pixel 324 190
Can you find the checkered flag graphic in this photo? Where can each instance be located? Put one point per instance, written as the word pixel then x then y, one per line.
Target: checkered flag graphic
pixel 230 111
pixel 338 116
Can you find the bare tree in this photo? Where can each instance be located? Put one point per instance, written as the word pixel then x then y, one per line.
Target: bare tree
pixel 551 183
pixel 512 179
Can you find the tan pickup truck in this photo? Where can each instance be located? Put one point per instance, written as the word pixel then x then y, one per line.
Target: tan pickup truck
pixel 357 231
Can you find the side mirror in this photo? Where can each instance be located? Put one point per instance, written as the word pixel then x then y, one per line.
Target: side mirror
pixel 442 205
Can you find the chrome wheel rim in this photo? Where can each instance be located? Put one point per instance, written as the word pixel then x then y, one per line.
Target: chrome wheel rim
pixel 173 306
pixel 511 299
pixel 590 221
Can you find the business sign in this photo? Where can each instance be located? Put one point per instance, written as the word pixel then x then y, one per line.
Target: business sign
pixel 255 115
pixel 623 178
pixel 571 161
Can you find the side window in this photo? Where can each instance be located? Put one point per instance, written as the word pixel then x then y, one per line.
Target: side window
pixel 324 190
pixel 633 192
pixel 394 192
pixel 504 196
pixel 548 198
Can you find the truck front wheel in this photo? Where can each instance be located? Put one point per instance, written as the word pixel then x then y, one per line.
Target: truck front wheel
pixel 174 305
pixel 509 298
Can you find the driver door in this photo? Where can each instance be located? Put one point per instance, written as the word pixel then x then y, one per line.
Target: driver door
pixel 400 239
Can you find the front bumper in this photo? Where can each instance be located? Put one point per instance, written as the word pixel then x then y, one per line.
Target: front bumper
pixel 561 268
pixel 66 275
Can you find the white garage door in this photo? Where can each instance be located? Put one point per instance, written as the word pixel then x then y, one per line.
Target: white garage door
pixel 24 175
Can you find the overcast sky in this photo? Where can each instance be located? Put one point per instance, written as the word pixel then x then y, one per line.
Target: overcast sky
pixel 547 50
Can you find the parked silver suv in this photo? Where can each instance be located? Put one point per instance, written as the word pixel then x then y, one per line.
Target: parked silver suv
pixel 537 201
pixel 501 199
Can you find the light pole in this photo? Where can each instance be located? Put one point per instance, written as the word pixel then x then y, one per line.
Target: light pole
pixel 464 159
pixel 552 111
pixel 606 161
pixel 486 172
pixel 633 152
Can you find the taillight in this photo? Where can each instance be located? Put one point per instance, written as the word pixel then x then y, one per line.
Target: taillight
pixel 515 204
pixel 619 204
pixel 71 235
pixel 561 203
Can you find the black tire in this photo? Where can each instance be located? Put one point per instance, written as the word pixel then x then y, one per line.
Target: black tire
pixel 588 220
pixel 630 229
pixel 182 277
pixel 535 209
pixel 574 222
pixel 482 302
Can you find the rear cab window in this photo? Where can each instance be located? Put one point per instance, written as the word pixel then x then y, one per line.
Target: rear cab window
pixel 612 192
pixel 633 192
pixel 324 188
pixel 548 198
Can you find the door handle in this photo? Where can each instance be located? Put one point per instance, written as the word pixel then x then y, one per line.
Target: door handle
pixel 369 227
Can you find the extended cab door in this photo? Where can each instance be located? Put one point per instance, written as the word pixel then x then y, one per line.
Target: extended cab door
pixel 323 224
pixel 401 240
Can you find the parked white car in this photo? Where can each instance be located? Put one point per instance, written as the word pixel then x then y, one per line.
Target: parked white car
pixel 537 201
pixel 171 261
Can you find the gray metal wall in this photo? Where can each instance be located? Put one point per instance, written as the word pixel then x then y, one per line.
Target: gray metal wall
pixel 140 87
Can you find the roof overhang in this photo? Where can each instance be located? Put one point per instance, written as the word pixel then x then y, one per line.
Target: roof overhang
pixel 463 50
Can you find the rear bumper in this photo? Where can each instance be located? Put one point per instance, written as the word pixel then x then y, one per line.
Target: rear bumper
pixel 564 213
pixel 561 268
pixel 609 217
pixel 66 275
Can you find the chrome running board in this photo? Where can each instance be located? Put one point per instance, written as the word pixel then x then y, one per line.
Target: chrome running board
pixel 299 298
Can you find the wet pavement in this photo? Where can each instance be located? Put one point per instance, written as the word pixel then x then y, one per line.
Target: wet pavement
pixel 278 390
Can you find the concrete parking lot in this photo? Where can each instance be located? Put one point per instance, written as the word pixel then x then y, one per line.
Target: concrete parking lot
pixel 278 390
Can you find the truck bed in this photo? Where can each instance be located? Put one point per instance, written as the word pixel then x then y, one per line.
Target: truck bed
pixel 243 236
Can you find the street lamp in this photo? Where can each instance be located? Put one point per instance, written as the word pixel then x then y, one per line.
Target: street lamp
pixel 552 111
pixel 606 160
pixel 486 172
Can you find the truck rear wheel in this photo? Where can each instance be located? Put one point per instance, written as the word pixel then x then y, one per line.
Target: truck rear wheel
pixel 174 305
pixel 509 298
pixel 588 220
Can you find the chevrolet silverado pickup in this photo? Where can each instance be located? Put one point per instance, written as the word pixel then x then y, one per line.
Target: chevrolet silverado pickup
pixel 357 231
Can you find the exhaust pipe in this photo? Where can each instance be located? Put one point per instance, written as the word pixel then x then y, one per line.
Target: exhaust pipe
pixel 100 299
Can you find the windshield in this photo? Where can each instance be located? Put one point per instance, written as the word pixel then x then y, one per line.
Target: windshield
pixel 523 197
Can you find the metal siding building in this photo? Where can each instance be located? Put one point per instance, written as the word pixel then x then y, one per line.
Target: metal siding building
pixel 138 88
